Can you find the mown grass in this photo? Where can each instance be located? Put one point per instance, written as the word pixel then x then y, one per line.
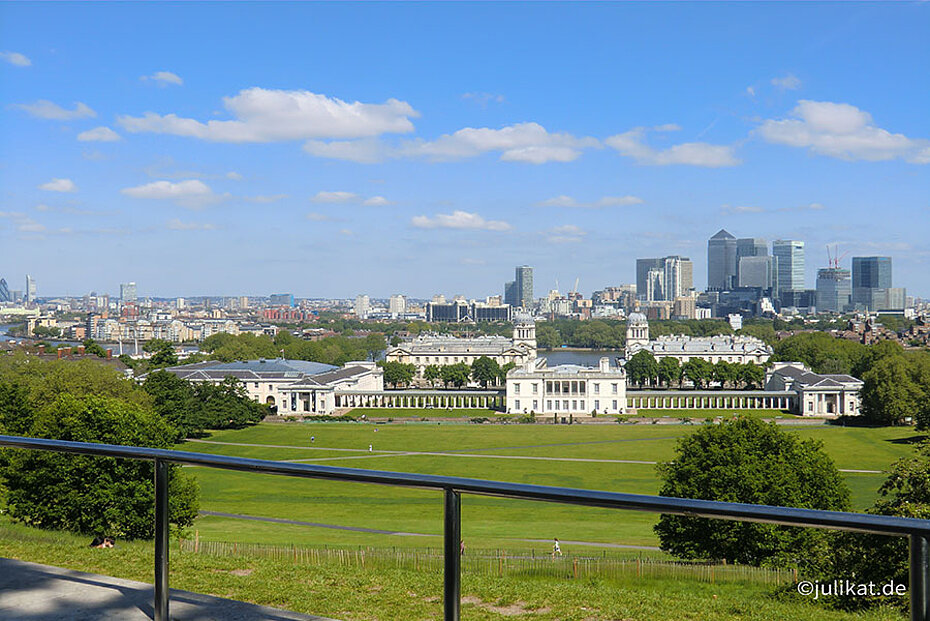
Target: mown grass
pixel 520 453
pixel 356 593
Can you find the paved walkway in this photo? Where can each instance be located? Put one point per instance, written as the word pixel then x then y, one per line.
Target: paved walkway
pixel 33 592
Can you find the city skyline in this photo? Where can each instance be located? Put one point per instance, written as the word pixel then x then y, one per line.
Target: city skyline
pixel 274 164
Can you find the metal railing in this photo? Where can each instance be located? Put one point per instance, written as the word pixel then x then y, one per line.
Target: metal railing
pixel 453 487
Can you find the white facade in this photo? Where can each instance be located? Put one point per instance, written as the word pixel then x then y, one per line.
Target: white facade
pixel 818 395
pixel 729 348
pixel 566 389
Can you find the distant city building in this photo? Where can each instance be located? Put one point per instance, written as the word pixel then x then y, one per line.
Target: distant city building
pixel 872 288
pixel 721 261
pixel 643 267
pixel 281 299
pixel 789 265
pixel 834 290
pixel 127 293
pixel 397 305
pixel 440 350
pixel 5 295
pixel 751 247
pixel 801 299
pixel 362 306
pixel 243 302
pixel 510 293
pixel 523 282
pixel 729 348
pixel 31 290
pixel 757 271
pixel 566 389
pixel 664 279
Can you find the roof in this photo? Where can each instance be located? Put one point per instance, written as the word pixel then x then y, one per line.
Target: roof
pixel 804 378
pixel 722 234
pixel 262 366
pixel 671 344
pixel 478 346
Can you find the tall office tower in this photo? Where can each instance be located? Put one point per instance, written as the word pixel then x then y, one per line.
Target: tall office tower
pixel 362 306
pixel 127 293
pixel 524 286
pixel 397 305
pixel 871 285
pixel 751 247
pixel 510 293
pixel 789 259
pixel 834 290
pixel 721 261
pixel 30 289
pixel 677 276
pixel 655 285
pixel 642 274
pixel 757 271
pixel 5 295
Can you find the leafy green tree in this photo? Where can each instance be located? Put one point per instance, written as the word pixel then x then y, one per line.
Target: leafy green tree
pixel 505 369
pixel 669 370
pixel 397 373
pixel 162 353
pixel 749 461
pixel 596 334
pixel 698 371
pixel 175 400
pixel 890 393
pixel 432 373
pixel 547 337
pixel 94 495
pixel 374 345
pixel 821 352
pixel 226 406
pixel 726 373
pixel 751 375
pixel 484 370
pixel 92 347
pixel 456 374
pixel 642 368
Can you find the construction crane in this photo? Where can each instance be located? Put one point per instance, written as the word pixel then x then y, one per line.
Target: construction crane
pixel 575 288
pixel 834 260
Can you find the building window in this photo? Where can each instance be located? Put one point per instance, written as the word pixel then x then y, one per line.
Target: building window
pixel 614 406
pixel 535 405
pixel 574 405
pixel 597 404
pixel 256 384
pixel 597 389
pixel 516 388
pixel 613 388
pixel 549 404
pixel 516 404
pixel 565 404
pixel 270 387
pixel 535 388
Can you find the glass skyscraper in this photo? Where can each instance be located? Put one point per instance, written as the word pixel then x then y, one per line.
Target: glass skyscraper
pixel 721 262
pixel 524 286
pixel 789 257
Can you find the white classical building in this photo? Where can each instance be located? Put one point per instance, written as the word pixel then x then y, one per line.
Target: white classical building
pixel 433 349
pixel 295 387
pixel 566 389
pixel 730 348
pixel 817 394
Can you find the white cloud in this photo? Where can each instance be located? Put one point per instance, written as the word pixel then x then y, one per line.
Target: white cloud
pixel 566 234
pixel 365 151
pixel 461 220
pixel 59 185
pixel 377 201
pixel 787 82
pixel 842 131
pixel 738 209
pixel 631 144
pixel 23 223
pixel 347 232
pixel 335 197
pixel 44 109
pixel 318 217
pixel 265 198
pixel 234 176
pixel 727 209
pixel 523 142
pixel 605 201
pixel 751 91
pixel 264 115
pixel 190 193
pixel 483 99
pixel 15 58
pixel 99 134
pixel 177 225
pixel 164 78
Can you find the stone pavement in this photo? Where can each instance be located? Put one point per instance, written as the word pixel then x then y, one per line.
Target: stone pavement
pixel 33 592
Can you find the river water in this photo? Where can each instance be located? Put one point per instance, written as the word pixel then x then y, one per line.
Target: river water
pixel 588 358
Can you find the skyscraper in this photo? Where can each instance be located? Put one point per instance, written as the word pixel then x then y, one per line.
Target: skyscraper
pixel 30 289
pixel 127 293
pixel 362 306
pixel 523 280
pixel 397 305
pixel 871 285
pixel 757 271
pixel 510 293
pixel 721 261
pixel 834 290
pixel 678 277
pixel 643 266
pixel 5 295
pixel 751 247
pixel 789 258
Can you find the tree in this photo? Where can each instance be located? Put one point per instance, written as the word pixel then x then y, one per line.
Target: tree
pixel 225 406
pixel 162 353
pixel 484 370
pixel 175 400
pixel 890 393
pixel 547 337
pixel 93 347
pixel 642 368
pixel 751 375
pixel 505 370
pixel 397 373
pixel 749 461
pixel 374 345
pixel 725 372
pixel 431 373
pixel 698 371
pixel 94 495
pixel 669 371
pixel 456 374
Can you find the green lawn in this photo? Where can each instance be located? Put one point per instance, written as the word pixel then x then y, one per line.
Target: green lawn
pixel 539 454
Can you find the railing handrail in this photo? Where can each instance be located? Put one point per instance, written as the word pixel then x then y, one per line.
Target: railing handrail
pixel 917 529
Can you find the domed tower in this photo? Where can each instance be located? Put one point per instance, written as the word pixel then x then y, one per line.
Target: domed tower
pixel 524 333
pixel 637 330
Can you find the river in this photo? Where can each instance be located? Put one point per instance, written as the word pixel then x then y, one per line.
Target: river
pixel 588 358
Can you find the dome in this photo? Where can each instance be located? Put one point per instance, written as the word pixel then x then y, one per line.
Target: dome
pixel 637 318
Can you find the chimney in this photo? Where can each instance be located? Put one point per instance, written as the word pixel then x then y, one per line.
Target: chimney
pixel 80 350
pixel 109 353
pixel 41 349
pixel 604 364
pixel 60 352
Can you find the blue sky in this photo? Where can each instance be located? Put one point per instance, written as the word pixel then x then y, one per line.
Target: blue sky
pixel 336 149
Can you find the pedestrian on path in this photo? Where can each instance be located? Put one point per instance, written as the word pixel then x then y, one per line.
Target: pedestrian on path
pixel 369 448
pixel 556 549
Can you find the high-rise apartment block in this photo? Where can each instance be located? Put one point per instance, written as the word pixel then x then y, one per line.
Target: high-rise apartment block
pixel 834 290
pixel 721 261
pixel 397 305
pixel 523 280
pixel 282 299
pixel 31 290
pixel 127 293
pixel 789 258
pixel 362 306
pixel 664 279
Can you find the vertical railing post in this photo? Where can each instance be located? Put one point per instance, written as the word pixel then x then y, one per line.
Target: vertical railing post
pixel 452 555
pixel 919 577
pixel 161 540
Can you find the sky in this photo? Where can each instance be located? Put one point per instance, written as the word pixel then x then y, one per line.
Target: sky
pixel 331 150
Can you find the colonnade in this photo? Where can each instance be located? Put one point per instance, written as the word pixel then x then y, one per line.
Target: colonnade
pixel 690 400
pixel 486 400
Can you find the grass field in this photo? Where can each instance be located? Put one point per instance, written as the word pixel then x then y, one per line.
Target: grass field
pixel 606 457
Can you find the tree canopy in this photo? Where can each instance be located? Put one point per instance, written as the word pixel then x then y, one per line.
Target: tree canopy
pixel 749 461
